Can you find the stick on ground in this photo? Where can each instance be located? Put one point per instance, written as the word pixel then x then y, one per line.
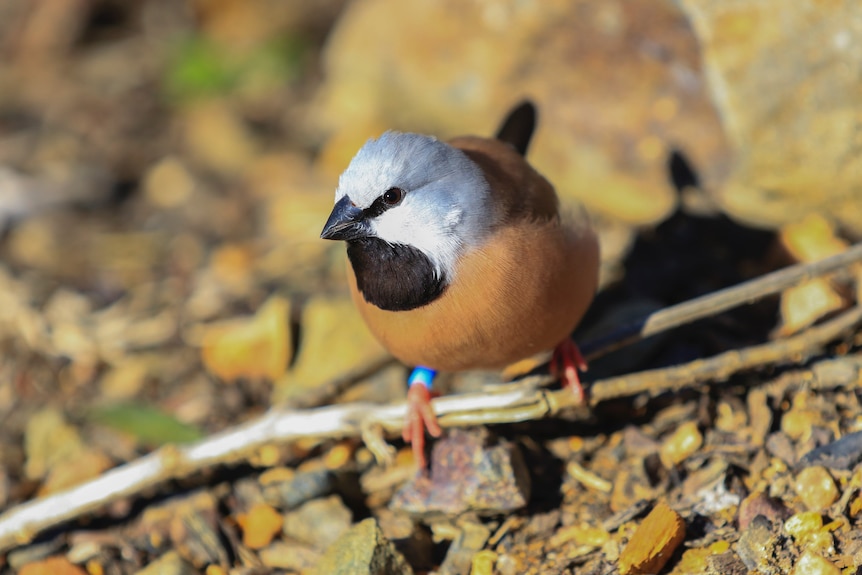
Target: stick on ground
pixel 21 524
pixel 722 300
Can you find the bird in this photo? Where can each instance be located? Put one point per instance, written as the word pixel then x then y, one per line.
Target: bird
pixel 461 258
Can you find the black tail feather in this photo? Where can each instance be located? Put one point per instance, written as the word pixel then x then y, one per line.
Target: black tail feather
pixel 517 128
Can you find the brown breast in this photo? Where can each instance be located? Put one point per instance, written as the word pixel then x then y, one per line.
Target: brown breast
pixel 522 292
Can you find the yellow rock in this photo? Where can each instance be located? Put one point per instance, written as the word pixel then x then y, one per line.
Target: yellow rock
pixel 790 100
pixel 259 525
pixel 812 238
pixel 609 115
pixel 682 443
pixel 168 183
pixel 335 341
pixel 217 137
pixel 256 347
pixel 810 563
pixel 72 471
pixel 48 440
pixel 804 304
pixel 483 563
pixel 816 488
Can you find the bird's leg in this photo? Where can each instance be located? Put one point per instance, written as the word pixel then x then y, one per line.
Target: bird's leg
pixel 420 416
pixel 566 362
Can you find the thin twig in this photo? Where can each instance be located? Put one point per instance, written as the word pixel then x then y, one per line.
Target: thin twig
pixel 719 301
pixel 21 524
pixel 722 366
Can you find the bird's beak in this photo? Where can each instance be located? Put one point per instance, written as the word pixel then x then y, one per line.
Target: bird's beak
pixel 345 222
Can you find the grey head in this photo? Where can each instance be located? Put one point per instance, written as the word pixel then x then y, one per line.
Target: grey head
pixel 414 195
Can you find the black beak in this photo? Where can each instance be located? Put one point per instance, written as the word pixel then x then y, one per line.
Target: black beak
pixel 345 222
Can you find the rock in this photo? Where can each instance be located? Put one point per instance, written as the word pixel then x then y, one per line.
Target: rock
pixel 189 525
pixel 812 564
pixel 328 324
pixel 168 564
pixel 471 540
pixel 759 504
pixel 809 533
pixel 286 489
pixel 816 488
pixel 363 550
pixel 681 444
pixel 259 525
pixel 727 563
pixel 289 556
pixel 760 547
pixel 618 86
pixel 788 90
pixel 318 522
pixel 257 347
pixel 468 473
pixel 840 455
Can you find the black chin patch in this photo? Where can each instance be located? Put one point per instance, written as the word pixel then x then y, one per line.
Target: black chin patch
pixel 394 277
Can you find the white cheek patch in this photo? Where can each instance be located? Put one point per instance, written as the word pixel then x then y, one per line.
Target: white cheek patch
pixel 439 242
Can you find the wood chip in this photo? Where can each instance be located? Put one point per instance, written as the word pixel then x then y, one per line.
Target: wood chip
pixel 654 542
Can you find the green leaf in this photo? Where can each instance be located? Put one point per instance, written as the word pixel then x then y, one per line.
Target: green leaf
pixel 147 424
pixel 199 68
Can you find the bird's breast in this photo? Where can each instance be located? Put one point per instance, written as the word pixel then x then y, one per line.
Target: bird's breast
pixel 520 293
pixel 394 277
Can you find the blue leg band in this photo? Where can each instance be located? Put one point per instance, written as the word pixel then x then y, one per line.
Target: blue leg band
pixel 423 375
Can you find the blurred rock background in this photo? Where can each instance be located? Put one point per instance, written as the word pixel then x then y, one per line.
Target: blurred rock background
pixel 166 167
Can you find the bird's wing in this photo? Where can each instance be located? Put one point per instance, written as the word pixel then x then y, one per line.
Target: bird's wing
pixel 518 191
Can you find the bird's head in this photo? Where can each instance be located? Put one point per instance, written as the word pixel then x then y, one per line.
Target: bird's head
pixel 414 191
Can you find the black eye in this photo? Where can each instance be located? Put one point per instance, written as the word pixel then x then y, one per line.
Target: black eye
pixel 393 196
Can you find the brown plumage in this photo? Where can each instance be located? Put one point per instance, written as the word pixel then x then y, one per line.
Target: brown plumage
pixel 460 258
pixel 521 293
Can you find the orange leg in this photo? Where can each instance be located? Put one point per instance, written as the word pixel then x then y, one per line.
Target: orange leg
pixel 566 362
pixel 420 415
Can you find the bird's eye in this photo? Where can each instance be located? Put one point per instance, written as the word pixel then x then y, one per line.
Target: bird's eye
pixel 393 196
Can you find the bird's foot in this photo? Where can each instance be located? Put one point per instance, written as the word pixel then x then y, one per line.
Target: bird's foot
pixel 566 362
pixel 420 416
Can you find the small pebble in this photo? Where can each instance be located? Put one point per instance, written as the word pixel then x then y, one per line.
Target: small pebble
pixel 816 488
pixel 318 522
pixel 363 550
pixel 760 504
pixel 259 525
pixel 808 531
pixel 483 563
pixel 683 443
pixel 758 545
pixel 811 563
